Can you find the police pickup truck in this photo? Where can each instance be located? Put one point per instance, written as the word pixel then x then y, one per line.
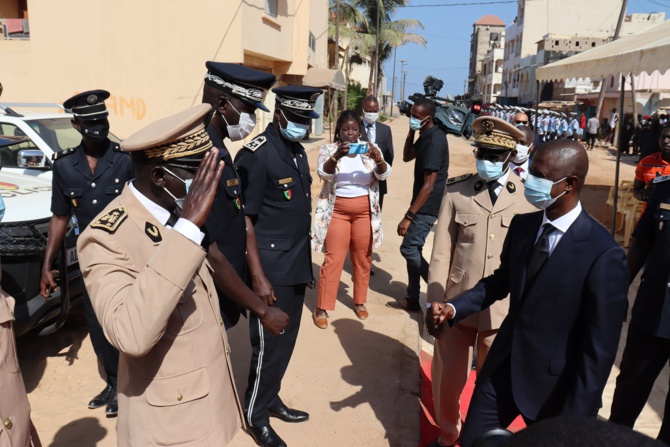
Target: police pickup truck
pixel 26 151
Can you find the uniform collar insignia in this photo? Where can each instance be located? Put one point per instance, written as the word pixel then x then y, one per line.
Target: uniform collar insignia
pixel 152 231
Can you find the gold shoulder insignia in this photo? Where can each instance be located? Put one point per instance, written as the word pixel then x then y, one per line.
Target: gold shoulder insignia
pixel 63 153
pixel 511 187
pixel 453 180
pixel 255 143
pixel 152 231
pixel 111 220
pixel 664 206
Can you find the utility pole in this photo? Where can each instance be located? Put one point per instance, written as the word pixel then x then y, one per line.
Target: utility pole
pixel 395 52
pixel 379 5
pixel 402 79
pixel 601 97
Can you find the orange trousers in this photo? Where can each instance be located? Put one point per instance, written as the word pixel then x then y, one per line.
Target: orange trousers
pixel 349 230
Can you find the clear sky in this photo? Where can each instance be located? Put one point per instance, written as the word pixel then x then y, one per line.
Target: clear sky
pixel 448 30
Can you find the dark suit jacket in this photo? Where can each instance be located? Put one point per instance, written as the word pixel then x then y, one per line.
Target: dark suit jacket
pixel 385 144
pixel 561 334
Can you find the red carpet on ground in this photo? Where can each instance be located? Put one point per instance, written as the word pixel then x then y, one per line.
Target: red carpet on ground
pixel 428 426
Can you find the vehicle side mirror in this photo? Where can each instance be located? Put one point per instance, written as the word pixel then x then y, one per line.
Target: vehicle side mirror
pixel 30 158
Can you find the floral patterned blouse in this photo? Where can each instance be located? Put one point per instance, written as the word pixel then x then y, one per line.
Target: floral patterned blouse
pixel 326 201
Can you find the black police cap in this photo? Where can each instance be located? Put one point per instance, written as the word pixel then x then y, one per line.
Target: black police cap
pixel 89 105
pixel 298 99
pixel 245 83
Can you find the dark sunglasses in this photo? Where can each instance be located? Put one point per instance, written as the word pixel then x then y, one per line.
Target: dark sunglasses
pixel 188 168
pixel 520 122
pixel 488 156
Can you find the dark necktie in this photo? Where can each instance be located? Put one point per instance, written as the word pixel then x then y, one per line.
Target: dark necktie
pixel 539 254
pixel 172 220
pixel 492 191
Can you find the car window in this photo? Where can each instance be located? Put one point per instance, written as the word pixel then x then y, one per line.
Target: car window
pixel 58 133
pixel 9 154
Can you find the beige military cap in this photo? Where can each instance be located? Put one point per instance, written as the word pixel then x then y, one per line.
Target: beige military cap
pixel 180 136
pixel 494 133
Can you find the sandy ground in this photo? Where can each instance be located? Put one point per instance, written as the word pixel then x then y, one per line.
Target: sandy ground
pixel 358 380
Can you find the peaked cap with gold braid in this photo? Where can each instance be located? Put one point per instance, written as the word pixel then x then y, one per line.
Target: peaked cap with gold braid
pixel 179 136
pixel 494 133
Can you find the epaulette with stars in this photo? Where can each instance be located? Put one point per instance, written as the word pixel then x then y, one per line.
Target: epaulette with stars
pixel 255 143
pixel 63 153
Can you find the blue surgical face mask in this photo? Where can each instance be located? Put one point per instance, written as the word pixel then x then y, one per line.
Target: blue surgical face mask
pixel 415 123
pixel 490 170
pixel 187 183
pixel 293 131
pixel 2 209
pixel 538 191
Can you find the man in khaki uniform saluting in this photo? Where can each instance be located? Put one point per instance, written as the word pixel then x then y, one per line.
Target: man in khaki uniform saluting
pixel 474 217
pixel 152 291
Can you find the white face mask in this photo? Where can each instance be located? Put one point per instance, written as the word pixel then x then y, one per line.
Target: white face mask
pixel 521 153
pixel 370 117
pixel 243 128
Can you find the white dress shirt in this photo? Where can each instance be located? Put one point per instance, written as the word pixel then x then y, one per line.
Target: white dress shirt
pixel 520 169
pixel 184 226
pixel 562 224
pixel 371 130
pixel 500 183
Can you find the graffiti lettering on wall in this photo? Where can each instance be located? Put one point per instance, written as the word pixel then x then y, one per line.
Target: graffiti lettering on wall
pixel 121 106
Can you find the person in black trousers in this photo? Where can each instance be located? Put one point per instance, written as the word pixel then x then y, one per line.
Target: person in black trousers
pixel 647 348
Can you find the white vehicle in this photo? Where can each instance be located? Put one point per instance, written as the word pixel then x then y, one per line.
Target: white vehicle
pixel 25 187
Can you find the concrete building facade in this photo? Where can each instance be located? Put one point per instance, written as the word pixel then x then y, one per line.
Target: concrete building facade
pixel 151 55
pixel 577 24
pixel 489 79
pixel 488 33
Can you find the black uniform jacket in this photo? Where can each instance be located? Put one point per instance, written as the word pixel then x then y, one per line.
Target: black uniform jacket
pixel 77 189
pixel 276 188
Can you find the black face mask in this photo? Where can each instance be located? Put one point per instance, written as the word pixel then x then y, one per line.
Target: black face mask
pixel 96 132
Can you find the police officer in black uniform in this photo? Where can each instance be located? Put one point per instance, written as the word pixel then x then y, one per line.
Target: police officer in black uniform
pixel 85 179
pixel 235 92
pixel 647 348
pixel 276 183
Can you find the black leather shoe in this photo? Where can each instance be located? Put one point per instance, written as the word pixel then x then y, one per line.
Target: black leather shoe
pixel 103 398
pixel 287 414
pixel 265 436
pixel 112 409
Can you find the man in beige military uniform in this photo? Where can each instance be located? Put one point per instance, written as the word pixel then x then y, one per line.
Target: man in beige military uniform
pixel 475 214
pixel 16 428
pixel 152 291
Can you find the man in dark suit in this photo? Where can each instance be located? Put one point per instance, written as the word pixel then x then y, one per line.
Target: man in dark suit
pixel 568 284
pixel 379 134
pixel 648 342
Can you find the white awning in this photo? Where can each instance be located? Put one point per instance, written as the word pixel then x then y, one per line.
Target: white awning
pixel 646 51
pixel 324 78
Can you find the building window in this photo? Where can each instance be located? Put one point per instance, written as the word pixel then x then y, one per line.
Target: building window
pixel 312 41
pixel 271 8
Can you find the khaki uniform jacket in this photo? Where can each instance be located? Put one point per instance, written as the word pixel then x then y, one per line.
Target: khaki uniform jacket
pixel 468 241
pixel 153 294
pixel 16 429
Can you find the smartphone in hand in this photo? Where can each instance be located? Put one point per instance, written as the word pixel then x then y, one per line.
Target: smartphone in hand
pixel 358 148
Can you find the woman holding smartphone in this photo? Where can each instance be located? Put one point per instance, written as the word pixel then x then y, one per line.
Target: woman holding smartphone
pixel 348 216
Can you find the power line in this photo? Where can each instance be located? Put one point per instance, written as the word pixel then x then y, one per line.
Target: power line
pixel 462 4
